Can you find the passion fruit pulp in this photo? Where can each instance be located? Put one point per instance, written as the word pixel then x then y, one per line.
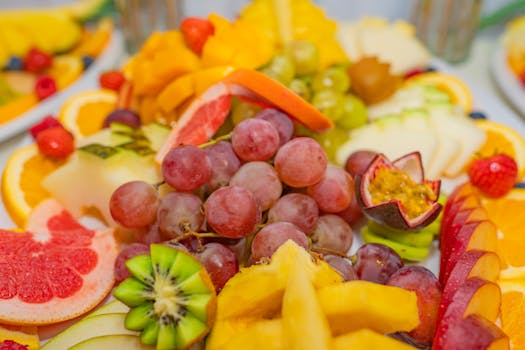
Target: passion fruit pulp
pixel 396 194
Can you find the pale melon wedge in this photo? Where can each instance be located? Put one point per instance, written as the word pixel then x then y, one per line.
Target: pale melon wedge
pixel 112 342
pixel 109 324
pixel 113 307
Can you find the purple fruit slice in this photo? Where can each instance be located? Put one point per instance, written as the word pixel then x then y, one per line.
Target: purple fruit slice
pixel 396 193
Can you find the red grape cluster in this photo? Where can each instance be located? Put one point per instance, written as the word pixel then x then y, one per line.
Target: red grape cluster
pixel 236 202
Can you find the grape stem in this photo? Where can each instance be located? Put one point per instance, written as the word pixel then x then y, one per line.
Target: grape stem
pixel 330 251
pixel 226 137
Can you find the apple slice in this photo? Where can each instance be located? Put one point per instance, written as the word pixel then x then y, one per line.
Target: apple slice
pixel 447 150
pixel 112 342
pixel 473 263
pixel 89 327
pixel 473 332
pixel 458 193
pixel 475 296
pixel 480 235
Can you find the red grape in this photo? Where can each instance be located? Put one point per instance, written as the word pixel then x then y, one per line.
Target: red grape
pixel 262 180
pixel 255 139
pixel 134 249
pixel 335 190
pixel 301 162
pixel 186 168
pixel 376 262
pixel 179 212
pixel 134 204
pixel 220 262
pixel 358 162
pixel 353 213
pixel 296 208
pixel 333 234
pixel 224 164
pixel 343 266
pixel 273 235
pixel 122 116
pixel 428 290
pixel 232 211
pixel 280 121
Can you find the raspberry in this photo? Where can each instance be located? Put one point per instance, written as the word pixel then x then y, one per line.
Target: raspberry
pixel 55 142
pixel 12 345
pixel 36 61
pixel 112 80
pixel 45 86
pixel 48 122
pixel 494 176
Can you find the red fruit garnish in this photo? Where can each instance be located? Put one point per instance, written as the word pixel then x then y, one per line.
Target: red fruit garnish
pixel 48 122
pixel 12 345
pixel 45 86
pixel 522 77
pixel 494 176
pixel 55 142
pixel 36 61
pixel 196 31
pixel 413 73
pixel 112 80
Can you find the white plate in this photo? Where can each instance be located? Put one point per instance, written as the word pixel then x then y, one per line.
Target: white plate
pixel 507 81
pixel 108 59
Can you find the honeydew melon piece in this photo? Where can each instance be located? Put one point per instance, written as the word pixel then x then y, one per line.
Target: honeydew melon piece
pixel 406 98
pixel 462 129
pixel 449 145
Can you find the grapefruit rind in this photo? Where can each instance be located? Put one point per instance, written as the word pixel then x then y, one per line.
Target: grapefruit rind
pixel 96 284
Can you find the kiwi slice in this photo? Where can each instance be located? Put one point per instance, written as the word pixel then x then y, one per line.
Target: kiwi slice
pixel 171 296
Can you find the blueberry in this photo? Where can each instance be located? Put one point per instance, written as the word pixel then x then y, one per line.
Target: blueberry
pixel 430 69
pixel 87 60
pixel 520 185
pixel 15 63
pixel 477 115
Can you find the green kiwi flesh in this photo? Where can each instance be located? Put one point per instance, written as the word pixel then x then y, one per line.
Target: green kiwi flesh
pixel 171 297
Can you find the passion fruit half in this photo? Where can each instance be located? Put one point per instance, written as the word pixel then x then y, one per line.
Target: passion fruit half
pixel 396 193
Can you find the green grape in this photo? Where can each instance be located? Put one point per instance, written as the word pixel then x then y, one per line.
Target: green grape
pixel 301 88
pixel 304 56
pixel 301 130
pixel 242 110
pixel 225 128
pixel 334 78
pixel 281 68
pixel 354 114
pixel 331 140
pixel 330 103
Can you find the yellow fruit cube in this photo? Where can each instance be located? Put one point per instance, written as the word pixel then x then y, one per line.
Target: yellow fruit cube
pixel 224 330
pixel 259 335
pixel 366 339
pixel 176 92
pixel 354 305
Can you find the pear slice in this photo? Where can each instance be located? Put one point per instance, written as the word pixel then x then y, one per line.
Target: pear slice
pixel 305 325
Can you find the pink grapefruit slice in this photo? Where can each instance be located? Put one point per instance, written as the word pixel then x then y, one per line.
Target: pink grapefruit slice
pixel 54 271
pixel 207 113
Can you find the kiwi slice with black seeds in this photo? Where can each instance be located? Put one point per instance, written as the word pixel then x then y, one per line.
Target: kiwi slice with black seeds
pixel 171 296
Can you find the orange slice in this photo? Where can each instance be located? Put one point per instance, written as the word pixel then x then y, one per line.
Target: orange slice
pixel 456 88
pixel 513 312
pixel 23 173
pixel 266 89
pixel 84 113
pixel 507 214
pixel 503 139
pixel 65 70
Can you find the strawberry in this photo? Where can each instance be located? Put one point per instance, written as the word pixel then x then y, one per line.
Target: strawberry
pixel 196 31
pixel 495 175
pixel 36 61
pixel 48 122
pixel 55 142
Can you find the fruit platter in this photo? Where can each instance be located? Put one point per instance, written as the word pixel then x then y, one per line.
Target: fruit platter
pixel 288 182
pixel 41 66
pixel 508 65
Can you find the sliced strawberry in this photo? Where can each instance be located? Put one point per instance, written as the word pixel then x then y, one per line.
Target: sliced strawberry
pixel 196 31
pixel 48 122
pixel 494 176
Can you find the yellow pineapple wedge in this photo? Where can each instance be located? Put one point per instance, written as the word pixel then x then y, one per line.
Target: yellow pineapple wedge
pixel 260 335
pixel 366 339
pixel 304 324
pixel 354 305
pixel 257 291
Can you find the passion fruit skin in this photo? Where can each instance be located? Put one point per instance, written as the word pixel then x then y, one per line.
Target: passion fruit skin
pixel 390 213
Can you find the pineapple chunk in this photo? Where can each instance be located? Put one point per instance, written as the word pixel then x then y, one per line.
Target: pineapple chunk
pixel 365 339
